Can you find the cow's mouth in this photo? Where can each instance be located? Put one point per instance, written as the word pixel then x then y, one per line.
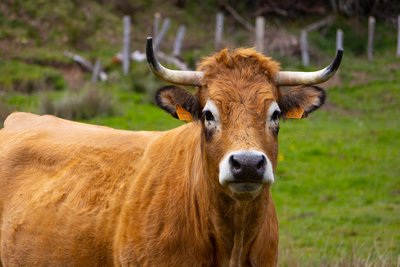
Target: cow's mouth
pixel 245 187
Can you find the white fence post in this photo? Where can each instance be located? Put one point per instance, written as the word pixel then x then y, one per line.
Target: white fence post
pixel 178 41
pixel 305 57
pixel 371 31
pixel 96 71
pixel 219 30
pixel 156 24
pixel 260 29
pixel 160 36
pixel 398 36
pixel 339 39
pixel 126 57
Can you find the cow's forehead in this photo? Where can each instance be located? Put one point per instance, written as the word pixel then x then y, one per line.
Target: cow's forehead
pixel 242 75
pixel 240 62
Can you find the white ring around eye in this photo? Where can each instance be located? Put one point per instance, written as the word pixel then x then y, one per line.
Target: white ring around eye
pixel 272 108
pixel 210 106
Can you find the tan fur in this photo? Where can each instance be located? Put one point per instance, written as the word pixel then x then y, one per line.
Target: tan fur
pixel 79 195
pixel 62 184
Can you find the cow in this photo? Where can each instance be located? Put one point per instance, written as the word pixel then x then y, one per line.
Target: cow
pixel 74 194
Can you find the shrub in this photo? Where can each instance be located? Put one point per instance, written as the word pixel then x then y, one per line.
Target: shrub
pixel 27 78
pixel 86 104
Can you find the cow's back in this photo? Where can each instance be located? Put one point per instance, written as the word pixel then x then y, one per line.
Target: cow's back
pixel 62 184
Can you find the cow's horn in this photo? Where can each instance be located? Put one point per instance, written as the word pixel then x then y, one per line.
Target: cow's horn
pixel 308 78
pixel 173 76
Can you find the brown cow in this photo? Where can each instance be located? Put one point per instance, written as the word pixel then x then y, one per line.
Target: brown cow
pixel 198 195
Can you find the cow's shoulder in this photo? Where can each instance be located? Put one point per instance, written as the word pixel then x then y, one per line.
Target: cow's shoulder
pixel 49 152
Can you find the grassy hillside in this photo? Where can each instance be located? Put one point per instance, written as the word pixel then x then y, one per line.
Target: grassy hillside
pixel 337 190
pixel 338 187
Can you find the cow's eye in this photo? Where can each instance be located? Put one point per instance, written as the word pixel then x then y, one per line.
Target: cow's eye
pixel 208 116
pixel 276 115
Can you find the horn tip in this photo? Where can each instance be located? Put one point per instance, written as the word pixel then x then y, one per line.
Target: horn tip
pixel 151 60
pixel 336 62
pixel 149 41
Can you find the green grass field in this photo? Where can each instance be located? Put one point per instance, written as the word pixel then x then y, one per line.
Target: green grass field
pixel 338 186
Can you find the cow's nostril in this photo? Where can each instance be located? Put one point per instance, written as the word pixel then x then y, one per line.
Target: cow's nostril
pixel 262 163
pixel 235 164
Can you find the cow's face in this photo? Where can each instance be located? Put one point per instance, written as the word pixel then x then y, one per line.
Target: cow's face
pixel 239 109
pixel 240 120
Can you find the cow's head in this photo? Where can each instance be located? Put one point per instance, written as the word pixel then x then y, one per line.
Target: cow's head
pixel 239 103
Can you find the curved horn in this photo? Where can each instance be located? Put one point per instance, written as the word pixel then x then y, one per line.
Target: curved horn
pixel 308 78
pixel 173 76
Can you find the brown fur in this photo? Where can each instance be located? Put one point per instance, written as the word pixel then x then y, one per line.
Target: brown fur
pixel 62 188
pixel 80 195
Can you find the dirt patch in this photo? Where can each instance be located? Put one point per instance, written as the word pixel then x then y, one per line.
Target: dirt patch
pixel 73 75
pixel 360 78
pixel 333 108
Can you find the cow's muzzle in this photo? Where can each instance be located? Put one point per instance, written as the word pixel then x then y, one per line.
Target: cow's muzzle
pixel 245 171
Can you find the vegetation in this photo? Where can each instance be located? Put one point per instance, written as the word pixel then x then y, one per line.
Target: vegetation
pixel 337 190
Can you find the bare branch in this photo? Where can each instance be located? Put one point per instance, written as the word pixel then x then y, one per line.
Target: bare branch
pixel 238 18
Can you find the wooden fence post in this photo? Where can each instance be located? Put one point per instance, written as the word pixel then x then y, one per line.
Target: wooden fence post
pixel 305 57
pixel 339 39
pixel 126 55
pixel 219 30
pixel 260 29
pixel 160 36
pixel 398 36
pixel 178 41
pixel 156 24
pixel 371 31
pixel 96 70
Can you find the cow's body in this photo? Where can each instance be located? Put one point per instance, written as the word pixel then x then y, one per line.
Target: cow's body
pixel 64 184
pixel 198 195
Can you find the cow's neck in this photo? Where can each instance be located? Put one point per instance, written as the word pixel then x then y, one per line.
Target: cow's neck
pixel 236 224
pixel 233 224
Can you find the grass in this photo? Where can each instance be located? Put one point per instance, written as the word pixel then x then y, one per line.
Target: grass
pixel 338 188
pixel 27 78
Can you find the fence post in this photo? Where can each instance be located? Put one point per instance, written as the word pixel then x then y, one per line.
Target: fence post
pixel 398 36
pixel 156 24
pixel 260 29
pixel 339 39
pixel 160 36
pixel 219 30
pixel 96 70
pixel 126 48
pixel 305 57
pixel 178 41
pixel 371 30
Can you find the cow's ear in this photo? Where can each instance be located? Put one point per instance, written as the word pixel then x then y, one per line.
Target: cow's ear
pixel 298 102
pixel 178 102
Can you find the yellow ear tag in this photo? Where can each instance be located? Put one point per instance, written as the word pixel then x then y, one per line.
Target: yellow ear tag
pixel 295 113
pixel 183 114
